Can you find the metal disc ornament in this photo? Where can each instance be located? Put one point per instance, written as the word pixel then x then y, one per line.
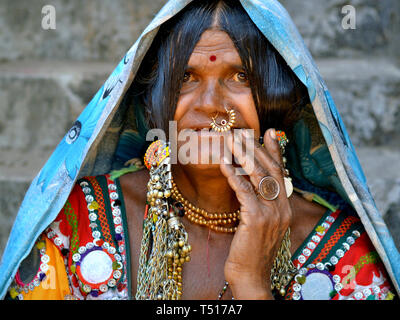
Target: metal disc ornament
pixel 288 186
pixel 269 188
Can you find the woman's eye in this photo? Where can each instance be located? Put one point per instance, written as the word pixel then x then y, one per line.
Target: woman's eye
pixel 241 77
pixel 186 76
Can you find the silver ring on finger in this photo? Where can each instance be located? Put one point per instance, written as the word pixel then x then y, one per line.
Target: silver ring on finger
pixel 269 188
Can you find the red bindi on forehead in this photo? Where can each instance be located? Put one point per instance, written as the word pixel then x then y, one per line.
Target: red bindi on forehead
pixel 213 58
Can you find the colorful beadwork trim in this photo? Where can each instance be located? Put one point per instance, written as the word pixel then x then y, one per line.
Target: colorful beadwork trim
pixel 116 205
pixel 20 286
pixel 103 253
pixel 323 268
pixel 319 232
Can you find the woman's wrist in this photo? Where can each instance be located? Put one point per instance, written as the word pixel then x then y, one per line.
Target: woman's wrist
pixel 250 289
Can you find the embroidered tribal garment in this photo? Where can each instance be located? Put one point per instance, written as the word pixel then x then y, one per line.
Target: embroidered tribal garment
pixel 84 254
pixel 337 261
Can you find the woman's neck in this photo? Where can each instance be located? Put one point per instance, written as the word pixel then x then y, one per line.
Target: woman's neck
pixel 207 189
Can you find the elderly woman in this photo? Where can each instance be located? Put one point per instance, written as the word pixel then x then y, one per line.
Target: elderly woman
pixel 251 188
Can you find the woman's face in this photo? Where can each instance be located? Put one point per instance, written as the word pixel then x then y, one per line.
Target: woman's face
pixel 214 80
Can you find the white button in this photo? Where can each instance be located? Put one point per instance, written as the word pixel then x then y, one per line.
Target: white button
pixel 86 288
pixel 296 287
pixel 302 259
pixel 334 260
pixel 82 250
pixel 89 245
pixel 44 267
pixel 76 257
pixel 330 219
pixel 367 292
pixel 117 274
pixel 117 257
pixel 356 233
pixel 96 234
pixel 57 241
pixel 45 258
pixel 114 195
pixel 315 239
pixel 336 278
pixel 358 295
pixel 340 253
pixel 311 245
pixel 296 296
pixel 112 186
pixel 338 287
pixel 103 288
pixel 325 225
pixel 86 190
pixel 376 289
pixel 303 271
pixel 84 184
pixel 112 250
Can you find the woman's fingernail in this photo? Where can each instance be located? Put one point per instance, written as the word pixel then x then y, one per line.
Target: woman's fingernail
pixel 272 134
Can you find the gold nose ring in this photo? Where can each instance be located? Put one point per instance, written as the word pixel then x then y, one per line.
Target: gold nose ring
pixel 224 125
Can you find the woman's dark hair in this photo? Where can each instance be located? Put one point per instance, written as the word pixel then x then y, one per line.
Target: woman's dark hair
pixel 277 93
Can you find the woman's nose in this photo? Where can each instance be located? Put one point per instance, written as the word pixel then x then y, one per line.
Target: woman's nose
pixel 212 98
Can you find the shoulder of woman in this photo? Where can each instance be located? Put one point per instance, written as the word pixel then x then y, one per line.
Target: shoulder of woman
pixel 134 185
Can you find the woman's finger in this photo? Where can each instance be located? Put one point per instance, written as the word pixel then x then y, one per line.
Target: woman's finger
pixel 270 153
pixel 243 148
pixel 241 186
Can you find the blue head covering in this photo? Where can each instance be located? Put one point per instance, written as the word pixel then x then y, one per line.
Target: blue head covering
pixel 89 146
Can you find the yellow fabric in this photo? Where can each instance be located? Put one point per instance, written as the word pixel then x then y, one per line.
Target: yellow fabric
pixel 55 286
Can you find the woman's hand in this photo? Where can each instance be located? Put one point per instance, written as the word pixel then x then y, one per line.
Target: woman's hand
pixel 263 223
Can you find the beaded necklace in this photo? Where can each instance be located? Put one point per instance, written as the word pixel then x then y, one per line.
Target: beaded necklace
pixel 215 221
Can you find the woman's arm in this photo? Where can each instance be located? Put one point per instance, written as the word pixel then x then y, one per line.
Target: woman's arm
pixel 263 223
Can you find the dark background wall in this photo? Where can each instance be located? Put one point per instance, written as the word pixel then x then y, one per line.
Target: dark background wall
pixel 48 76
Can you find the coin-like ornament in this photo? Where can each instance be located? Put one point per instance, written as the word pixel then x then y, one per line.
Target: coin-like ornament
pixel 269 188
pixel 288 186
